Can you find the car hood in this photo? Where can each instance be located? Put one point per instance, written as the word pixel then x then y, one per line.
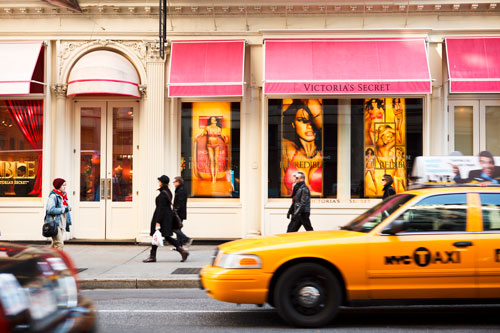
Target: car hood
pixel 289 240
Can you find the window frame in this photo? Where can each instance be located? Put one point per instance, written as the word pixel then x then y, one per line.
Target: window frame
pixel 440 232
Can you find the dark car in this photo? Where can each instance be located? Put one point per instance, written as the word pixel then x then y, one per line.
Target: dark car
pixel 39 292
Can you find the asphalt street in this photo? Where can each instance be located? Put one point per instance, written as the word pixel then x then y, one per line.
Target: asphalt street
pixel 191 310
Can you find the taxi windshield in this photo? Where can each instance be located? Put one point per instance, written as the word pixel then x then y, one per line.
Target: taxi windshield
pixel 378 213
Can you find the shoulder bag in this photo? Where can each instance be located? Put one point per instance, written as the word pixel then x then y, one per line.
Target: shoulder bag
pixel 49 228
pixel 177 222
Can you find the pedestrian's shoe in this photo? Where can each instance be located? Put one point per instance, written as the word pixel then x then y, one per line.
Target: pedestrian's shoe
pixel 184 254
pixel 150 259
pixel 189 242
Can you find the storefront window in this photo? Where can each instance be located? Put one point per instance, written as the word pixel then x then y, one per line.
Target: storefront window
pixel 210 149
pixel 21 139
pixel 302 137
pixel 386 136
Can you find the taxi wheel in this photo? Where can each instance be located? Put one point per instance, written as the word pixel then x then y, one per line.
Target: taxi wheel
pixel 307 295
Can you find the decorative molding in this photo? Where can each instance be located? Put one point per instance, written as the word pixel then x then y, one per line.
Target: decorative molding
pixel 143 89
pixel 153 52
pixel 59 89
pixel 70 49
pixel 224 8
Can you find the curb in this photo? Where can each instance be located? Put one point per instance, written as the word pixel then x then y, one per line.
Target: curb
pixel 139 284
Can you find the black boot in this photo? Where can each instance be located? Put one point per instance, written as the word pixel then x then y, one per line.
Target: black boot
pixel 184 253
pixel 150 259
pixel 152 255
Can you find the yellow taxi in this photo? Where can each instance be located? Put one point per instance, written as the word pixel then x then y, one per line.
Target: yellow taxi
pixel 432 244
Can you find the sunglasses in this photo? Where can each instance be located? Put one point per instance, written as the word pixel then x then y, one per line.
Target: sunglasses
pixel 383 179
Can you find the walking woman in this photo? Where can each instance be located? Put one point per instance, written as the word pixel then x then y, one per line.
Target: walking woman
pixel 388 189
pixel 163 220
pixel 58 206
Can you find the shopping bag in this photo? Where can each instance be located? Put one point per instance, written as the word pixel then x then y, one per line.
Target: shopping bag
pixel 157 238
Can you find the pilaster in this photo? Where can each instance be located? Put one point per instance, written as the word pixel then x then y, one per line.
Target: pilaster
pixel 153 126
pixel 60 134
pixel 251 164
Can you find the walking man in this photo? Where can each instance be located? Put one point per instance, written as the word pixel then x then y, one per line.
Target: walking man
pixel 180 202
pixel 301 204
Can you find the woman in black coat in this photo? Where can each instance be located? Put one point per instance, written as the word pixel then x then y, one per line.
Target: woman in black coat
pixel 163 219
pixel 388 189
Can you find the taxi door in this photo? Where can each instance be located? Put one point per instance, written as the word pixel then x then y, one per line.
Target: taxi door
pixel 433 258
pixel 488 246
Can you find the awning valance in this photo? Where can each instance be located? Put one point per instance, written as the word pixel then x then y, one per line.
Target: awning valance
pixel 17 65
pixel 346 66
pixel 473 65
pixel 103 72
pixel 206 68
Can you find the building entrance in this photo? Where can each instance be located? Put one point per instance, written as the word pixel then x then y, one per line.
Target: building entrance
pixel 104 156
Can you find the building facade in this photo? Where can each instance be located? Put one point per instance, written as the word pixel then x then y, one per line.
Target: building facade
pixel 242 95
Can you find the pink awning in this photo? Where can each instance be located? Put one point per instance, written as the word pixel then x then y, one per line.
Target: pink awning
pixel 17 65
pixel 206 68
pixel 346 66
pixel 473 65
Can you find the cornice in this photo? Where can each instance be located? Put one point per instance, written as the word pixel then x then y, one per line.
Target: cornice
pixel 247 8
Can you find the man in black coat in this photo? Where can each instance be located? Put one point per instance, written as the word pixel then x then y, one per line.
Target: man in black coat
pixel 488 172
pixel 301 205
pixel 180 203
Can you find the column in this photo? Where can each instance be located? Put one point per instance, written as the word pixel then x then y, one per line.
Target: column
pixel 251 164
pixel 344 150
pixel 152 138
pixel 60 130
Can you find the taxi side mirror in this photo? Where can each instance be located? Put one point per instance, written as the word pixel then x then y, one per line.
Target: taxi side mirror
pixel 396 226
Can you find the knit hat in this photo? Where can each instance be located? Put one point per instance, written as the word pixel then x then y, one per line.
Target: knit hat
pixel 164 179
pixel 58 183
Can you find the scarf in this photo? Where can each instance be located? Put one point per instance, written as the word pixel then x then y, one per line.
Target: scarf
pixel 63 196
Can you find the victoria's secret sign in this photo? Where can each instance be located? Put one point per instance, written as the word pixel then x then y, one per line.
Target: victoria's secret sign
pixel 340 88
pixel 347 87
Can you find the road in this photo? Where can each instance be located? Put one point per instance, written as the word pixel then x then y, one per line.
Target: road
pixel 191 310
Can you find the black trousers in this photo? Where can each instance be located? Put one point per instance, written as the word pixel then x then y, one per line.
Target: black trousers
pixel 169 239
pixel 301 219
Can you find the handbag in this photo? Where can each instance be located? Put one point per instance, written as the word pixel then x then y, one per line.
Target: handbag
pixel 177 221
pixel 49 228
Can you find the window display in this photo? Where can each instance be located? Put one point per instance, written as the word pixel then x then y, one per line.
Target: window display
pixel 391 138
pixel 210 146
pixel 302 137
pixel 21 140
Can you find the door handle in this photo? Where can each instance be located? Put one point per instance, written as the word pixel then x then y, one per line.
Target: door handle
pixel 462 244
pixel 102 189
pixel 108 189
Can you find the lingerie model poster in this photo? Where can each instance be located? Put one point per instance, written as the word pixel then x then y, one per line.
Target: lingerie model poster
pixel 211 135
pixel 384 144
pixel 302 144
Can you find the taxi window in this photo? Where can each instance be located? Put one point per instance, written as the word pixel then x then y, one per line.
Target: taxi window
pixel 378 213
pixel 447 212
pixel 491 211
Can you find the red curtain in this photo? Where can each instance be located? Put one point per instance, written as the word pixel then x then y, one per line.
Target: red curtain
pixel 28 115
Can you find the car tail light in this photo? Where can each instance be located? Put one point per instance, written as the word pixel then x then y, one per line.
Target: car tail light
pixel 4 324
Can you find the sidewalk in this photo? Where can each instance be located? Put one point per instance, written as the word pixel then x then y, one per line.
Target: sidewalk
pixel 121 266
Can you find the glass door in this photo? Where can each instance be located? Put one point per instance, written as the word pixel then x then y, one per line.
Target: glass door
pixel 490 126
pixel 464 127
pixel 474 126
pixel 104 150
